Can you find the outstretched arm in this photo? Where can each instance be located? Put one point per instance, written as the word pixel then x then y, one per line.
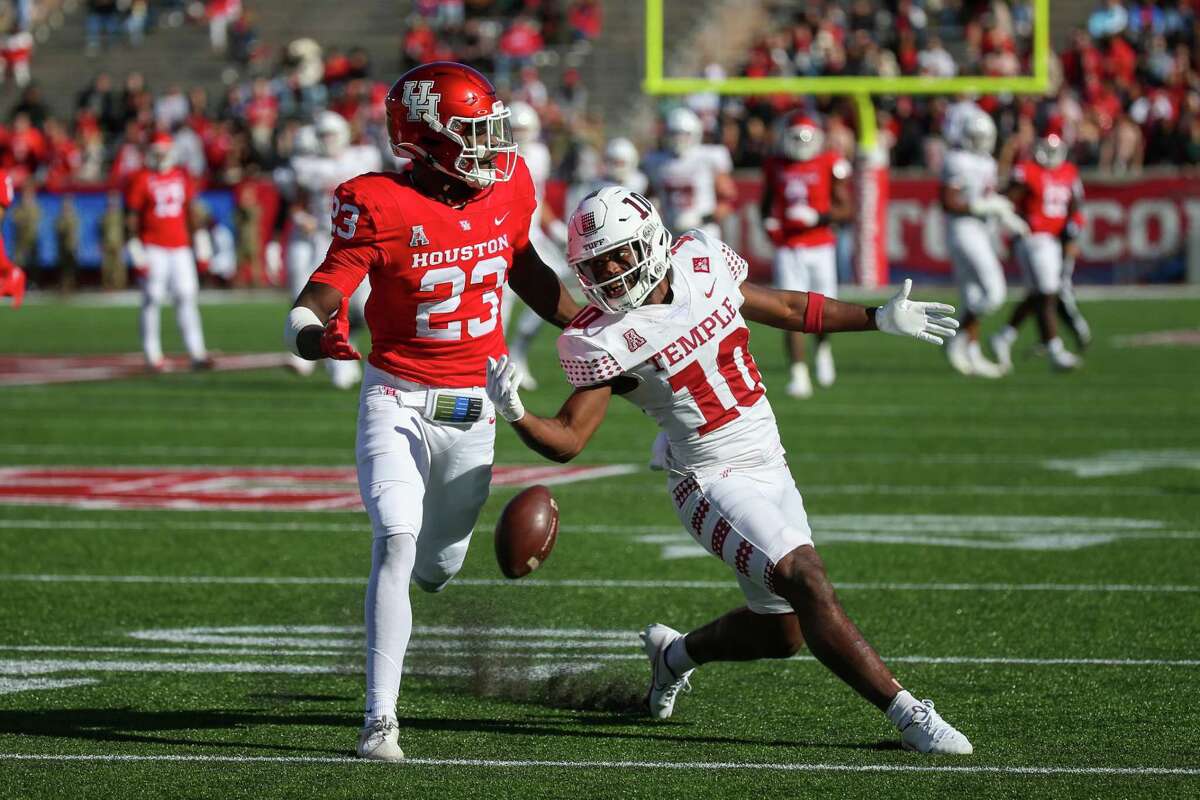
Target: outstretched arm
pixel 808 312
pixel 540 288
pixel 559 438
pixel 318 325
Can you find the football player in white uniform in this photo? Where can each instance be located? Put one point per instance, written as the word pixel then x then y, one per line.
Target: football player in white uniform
pixel 315 174
pixel 621 166
pixel 547 232
pixel 691 181
pixel 667 329
pixel 969 197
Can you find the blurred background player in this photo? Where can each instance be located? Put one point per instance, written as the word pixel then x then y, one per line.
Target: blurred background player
pixel 1046 191
pixel 158 203
pixel 547 232
pixel 806 188
pixel 12 277
pixel 969 197
pixel 327 158
pixel 691 182
pixel 621 166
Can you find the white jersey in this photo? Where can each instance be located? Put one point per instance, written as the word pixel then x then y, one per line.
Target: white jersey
pixel 685 185
pixel 690 359
pixel 973 174
pixel 317 176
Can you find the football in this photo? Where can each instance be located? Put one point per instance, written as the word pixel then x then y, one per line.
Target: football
pixel 526 532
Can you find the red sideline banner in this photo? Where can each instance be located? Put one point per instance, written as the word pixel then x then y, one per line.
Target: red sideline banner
pixel 1135 231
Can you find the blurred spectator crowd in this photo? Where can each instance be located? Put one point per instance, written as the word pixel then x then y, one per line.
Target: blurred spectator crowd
pixel 1127 86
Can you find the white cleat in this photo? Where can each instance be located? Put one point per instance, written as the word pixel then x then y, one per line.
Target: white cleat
pixel 927 732
pixel 826 374
pixel 980 366
pixel 379 740
pixel 956 354
pixel 1064 361
pixel 665 685
pixel 1002 347
pixel 800 386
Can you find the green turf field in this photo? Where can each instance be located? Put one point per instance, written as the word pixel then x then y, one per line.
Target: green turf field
pixel 1052 610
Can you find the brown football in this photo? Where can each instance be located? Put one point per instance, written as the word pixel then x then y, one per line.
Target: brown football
pixel 526 532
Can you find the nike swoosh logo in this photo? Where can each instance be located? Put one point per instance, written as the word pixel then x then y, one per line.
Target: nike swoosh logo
pixel 712 289
pixel 498 220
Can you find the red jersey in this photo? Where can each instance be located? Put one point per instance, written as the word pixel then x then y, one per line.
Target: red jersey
pixel 1049 194
pixel 437 272
pixel 7 195
pixel 161 200
pixel 804 183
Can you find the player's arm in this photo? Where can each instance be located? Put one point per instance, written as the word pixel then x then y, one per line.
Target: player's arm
pixel 726 191
pixel 953 200
pixel 559 438
pixel 537 285
pixel 809 312
pixel 310 320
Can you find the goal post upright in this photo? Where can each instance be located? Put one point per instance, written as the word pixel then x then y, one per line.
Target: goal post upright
pixel 871 183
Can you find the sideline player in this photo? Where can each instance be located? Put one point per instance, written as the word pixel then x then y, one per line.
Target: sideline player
pixel 158 202
pixel 805 188
pixel 547 232
pixel 12 277
pixel 315 175
pixel 692 181
pixel 439 241
pixel 667 329
pixel 969 197
pixel 1046 191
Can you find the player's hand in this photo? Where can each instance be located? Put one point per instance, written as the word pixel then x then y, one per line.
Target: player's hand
pixel 502 383
pixel 774 230
pixel 929 322
pixel 335 341
pixel 805 215
pixel 1013 223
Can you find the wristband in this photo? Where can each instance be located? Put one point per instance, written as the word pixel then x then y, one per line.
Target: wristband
pixel 814 314
pixel 298 319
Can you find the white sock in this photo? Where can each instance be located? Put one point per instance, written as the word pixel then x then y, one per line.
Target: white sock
pixel 799 371
pixel 677 658
pixel 1008 334
pixel 151 341
pixel 389 620
pixel 1055 345
pixel 901 710
pixel 975 350
pixel 187 315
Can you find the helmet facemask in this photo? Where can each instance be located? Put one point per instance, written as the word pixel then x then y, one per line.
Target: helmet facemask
pixel 487 150
pixel 802 142
pixel 1050 151
pixel 645 260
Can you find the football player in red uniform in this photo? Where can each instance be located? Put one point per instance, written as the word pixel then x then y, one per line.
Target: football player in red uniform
pixel 158 201
pixel 1046 191
pixel 806 189
pixel 441 242
pixel 12 277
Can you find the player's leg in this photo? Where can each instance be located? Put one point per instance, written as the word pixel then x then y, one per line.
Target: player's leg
pixel 1045 272
pixel 154 293
pixel 791 275
pixel 822 267
pixel 300 261
pixel 393 467
pixel 1003 340
pixel 460 475
pixel 981 283
pixel 184 286
pixel 1068 308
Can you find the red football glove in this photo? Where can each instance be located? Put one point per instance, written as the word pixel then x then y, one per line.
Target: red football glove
pixel 335 341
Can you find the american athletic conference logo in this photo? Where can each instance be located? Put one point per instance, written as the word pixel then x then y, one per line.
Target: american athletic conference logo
pixel 633 339
pixel 418 98
pixel 700 264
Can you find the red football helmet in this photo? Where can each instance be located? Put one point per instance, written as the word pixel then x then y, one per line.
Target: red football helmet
pixel 1051 148
pixel 800 137
pixel 447 116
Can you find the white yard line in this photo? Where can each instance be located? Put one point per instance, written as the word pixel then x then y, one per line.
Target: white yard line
pixel 599 583
pixel 630 765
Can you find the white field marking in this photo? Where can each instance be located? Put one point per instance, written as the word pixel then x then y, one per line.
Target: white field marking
pixel 973 769
pixel 1125 462
pixel 603 583
pixel 14 685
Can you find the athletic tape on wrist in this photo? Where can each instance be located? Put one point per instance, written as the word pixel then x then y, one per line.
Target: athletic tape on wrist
pixel 298 319
pixel 814 314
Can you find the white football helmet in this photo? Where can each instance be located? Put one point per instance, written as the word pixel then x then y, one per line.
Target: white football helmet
pixel 625 227
pixel 333 131
pixel 800 138
pixel 620 159
pixel 684 130
pixel 160 155
pixel 1051 148
pixel 526 126
pixel 979 133
pixel 306 142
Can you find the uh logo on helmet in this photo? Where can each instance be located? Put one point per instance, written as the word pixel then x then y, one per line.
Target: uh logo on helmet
pixel 447 116
pixel 618 247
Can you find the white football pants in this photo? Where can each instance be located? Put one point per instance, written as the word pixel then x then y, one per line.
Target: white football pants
pixel 421 482
pixel 171 271
pixel 807 269
pixel 977 270
pixel 1041 258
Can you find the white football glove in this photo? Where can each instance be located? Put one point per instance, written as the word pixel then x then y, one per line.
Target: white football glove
pixel 1012 222
pixel 991 205
pixel 805 215
pixel 929 322
pixel 502 383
